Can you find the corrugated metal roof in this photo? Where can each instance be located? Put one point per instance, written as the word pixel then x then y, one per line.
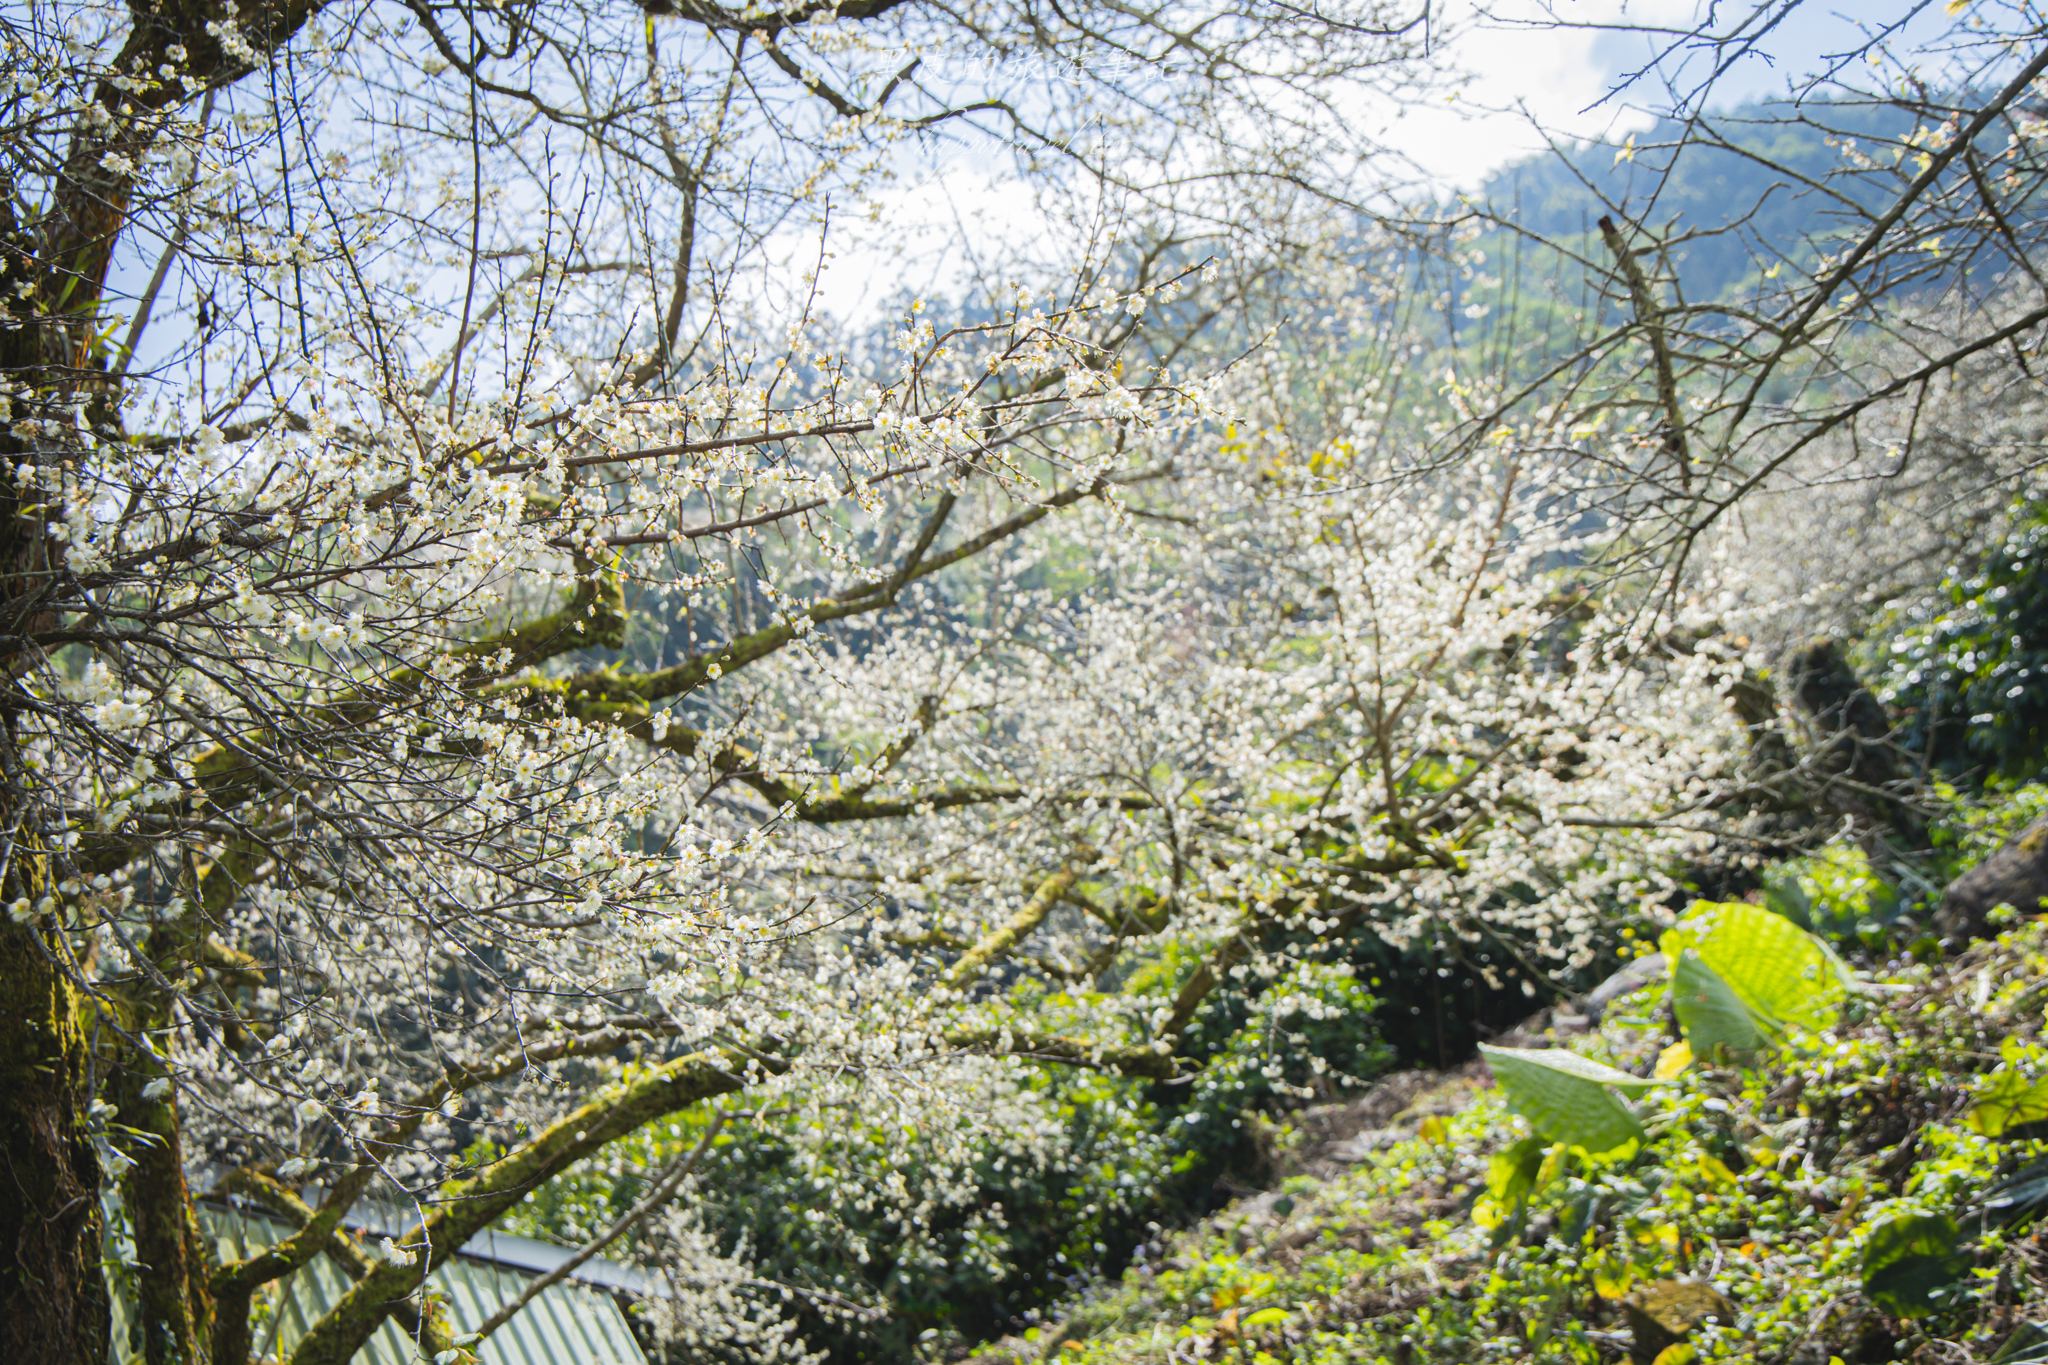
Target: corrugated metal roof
pixel 570 1323
pixel 517 1253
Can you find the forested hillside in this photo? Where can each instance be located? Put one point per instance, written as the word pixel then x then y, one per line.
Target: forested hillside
pixel 1721 188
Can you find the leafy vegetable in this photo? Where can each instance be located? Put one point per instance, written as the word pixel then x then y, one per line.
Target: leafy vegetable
pixel 2007 1099
pixel 1718 1025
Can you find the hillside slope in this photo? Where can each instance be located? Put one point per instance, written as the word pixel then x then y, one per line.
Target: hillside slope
pixel 1860 1191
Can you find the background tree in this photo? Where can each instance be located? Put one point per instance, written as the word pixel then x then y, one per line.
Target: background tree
pixel 1788 297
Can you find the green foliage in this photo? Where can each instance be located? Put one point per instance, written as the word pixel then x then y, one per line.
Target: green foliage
pixel 1315 1023
pixel 1512 1176
pixel 1847 1194
pixel 1741 978
pixel 2015 1094
pixel 1971 830
pixel 1567 1098
pixel 1835 893
pixel 1967 670
pixel 1798 1165
pixel 1912 1260
pixel 1036 1213
pixel 1716 1024
pixel 1742 975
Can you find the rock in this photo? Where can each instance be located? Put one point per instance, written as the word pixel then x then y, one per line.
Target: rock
pixel 1629 979
pixel 1861 773
pixel 1585 1012
pixel 2016 875
pixel 1661 1314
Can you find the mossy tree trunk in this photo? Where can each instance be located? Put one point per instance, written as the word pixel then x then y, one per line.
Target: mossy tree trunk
pixel 173 1310
pixel 53 1300
pixel 53 1297
pixel 175 1307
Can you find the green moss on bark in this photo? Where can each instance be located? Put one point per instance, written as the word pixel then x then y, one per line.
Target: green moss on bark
pixel 53 1298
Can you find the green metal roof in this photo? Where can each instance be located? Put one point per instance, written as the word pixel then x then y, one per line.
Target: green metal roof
pixel 569 1323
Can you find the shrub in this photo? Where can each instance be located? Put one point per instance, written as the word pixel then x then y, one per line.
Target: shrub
pixel 1967 670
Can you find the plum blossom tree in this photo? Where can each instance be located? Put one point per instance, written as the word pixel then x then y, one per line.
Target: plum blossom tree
pixel 369 371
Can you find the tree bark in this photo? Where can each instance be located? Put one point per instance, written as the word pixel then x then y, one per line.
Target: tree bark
pixel 53 1297
pixel 173 1311
pixel 53 1300
pixel 173 1317
pixel 1859 769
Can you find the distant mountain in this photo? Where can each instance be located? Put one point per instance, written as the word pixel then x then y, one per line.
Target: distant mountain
pixel 1736 192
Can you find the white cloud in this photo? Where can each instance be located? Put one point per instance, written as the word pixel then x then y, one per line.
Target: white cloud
pixel 1526 72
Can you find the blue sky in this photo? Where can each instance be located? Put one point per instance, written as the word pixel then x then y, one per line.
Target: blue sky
pixel 1525 79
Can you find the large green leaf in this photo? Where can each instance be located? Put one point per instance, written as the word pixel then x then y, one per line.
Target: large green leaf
pixel 1718 1026
pixel 2026 1346
pixel 2008 1098
pixel 1566 1097
pixel 1911 1259
pixel 1784 976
